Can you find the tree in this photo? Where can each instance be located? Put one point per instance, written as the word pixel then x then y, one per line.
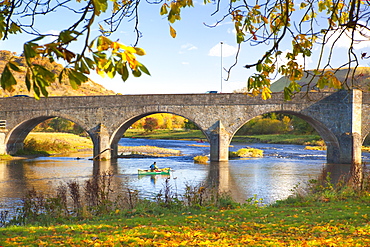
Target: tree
pixel 308 26
pixel 150 124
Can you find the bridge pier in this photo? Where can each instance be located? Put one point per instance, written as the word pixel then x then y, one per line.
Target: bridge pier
pixel 2 143
pixel 219 140
pixel 100 138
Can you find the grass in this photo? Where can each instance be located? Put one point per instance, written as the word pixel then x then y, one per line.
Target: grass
pixel 314 223
pixel 166 134
pixel 317 225
pixel 5 157
pixel 52 143
pixel 279 138
pixel 198 135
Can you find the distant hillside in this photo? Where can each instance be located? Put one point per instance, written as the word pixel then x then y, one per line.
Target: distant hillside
pixel 361 80
pixel 56 89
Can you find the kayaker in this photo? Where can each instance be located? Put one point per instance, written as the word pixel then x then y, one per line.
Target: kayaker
pixel 153 166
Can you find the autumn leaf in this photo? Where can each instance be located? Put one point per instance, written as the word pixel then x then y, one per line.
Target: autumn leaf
pixel 172 32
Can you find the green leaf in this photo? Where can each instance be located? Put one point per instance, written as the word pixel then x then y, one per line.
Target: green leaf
pixel 14 66
pixel 28 79
pixel 143 68
pixel 66 36
pixel 124 72
pixel 84 68
pixel 7 79
pixel 37 91
pixel 89 62
pixel 76 78
pixel 99 6
pixel 287 94
pixel 259 67
pixel 42 83
pixel 136 73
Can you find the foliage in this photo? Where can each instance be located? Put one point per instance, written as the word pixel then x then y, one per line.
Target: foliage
pixel 201 159
pixel 190 125
pixel 165 121
pixel 56 88
pixel 101 54
pixel 264 125
pixel 246 152
pixel 150 124
pixel 276 123
pixel 269 23
pixel 59 125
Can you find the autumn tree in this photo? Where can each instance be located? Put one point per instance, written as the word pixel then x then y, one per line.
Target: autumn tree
pixel 307 25
pixel 150 124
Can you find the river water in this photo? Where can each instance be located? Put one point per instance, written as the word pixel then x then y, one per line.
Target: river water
pixel 270 178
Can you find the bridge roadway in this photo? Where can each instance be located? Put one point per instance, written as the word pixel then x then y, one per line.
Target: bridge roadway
pixel 341 118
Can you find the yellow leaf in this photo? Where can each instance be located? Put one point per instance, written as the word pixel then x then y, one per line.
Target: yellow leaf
pixel 172 32
pixel 266 93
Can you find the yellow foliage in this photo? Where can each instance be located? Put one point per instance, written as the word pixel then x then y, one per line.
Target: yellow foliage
pixel 201 159
pixel 247 152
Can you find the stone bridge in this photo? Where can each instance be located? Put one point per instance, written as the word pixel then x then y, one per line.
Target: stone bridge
pixel 341 118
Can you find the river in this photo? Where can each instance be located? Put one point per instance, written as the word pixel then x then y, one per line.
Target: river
pixel 270 178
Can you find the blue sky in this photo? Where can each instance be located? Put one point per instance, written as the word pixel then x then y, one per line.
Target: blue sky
pixel 190 63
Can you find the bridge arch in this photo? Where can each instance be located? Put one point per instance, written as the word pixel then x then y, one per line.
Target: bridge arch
pixel 122 127
pixel 17 134
pixel 326 134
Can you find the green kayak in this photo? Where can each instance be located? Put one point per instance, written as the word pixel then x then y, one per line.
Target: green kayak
pixel 163 171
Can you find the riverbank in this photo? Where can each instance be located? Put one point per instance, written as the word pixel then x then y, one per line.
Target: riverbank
pixel 197 135
pixel 39 144
pixel 331 223
pixel 146 152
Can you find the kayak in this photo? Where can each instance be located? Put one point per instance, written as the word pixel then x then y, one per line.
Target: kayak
pixel 163 171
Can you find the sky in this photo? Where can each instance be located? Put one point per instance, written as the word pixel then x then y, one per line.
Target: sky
pixel 189 63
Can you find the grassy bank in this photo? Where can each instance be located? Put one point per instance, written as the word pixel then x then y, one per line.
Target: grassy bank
pixel 166 134
pixel 327 218
pixel 198 135
pixel 321 224
pixel 46 143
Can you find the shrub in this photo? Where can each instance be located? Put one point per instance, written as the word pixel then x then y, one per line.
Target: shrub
pixel 201 159
pixel 246 152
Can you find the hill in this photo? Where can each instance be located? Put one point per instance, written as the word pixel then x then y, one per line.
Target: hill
pixel 361 80
pixel 56 88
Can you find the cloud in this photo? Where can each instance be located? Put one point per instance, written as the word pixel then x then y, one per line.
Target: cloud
pixel 52 32
pixel 344 39
pixel 227 50
pixel 187 47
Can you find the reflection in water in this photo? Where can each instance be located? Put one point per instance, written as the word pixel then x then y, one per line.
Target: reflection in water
pixel 270 178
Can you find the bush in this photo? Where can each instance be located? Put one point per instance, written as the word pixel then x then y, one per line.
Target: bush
pixel 201 159
pixel 246 152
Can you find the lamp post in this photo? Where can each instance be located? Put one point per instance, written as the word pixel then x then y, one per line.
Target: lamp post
pixel 221 65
